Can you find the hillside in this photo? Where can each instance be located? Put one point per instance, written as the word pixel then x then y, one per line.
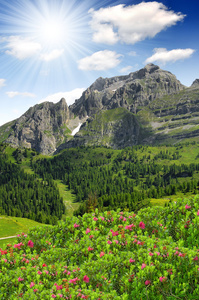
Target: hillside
pixel 25 195
pixel 112 255
pixel 149 106
pixel 78 180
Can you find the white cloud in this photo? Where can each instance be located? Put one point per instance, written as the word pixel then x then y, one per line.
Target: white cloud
pixel 2 82
pixel 126 69
pixel 70 96
pixel 100 61
pixel 162 55
pixel 131 24
pixel 25 94
pixel 52 55
pixel 21 48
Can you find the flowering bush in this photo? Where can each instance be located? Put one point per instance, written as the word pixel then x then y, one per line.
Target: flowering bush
pixel 114 255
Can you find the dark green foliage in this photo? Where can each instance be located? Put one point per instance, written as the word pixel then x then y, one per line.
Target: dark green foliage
pixel 120 179
pixel 99 177
pixel 24 195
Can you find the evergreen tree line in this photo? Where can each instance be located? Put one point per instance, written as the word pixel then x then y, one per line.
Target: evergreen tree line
pixel 119 179
pixel 23 195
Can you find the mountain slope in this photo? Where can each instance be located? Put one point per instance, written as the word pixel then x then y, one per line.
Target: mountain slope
pixel 43 127
pixel 145 107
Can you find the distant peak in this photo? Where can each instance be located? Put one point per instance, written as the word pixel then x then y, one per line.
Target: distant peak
pixel 63 100
pixel 151 67
pixel 195 83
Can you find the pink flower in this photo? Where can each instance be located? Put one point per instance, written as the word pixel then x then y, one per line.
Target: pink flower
pixel 90 249
pixel 18 245
pixel 76 225
pixel 198 213
pixel 35 290
pixel 95 219
pixel 102 218
pixel 158 253
pixel 30 244
pixel 73 280
pixel 32 284
pixel 116 241
pixel 20 279
pixel 162 279
pixel 195 258
pixel 88 230
pixel 109 242
pixel 143 266
pixel 114 233
pixel 58 287
pixel 39 272
pixel 150 253
pixel 86 279
pixel 60 295
pixel 187 206
pixel 102 254
pixel 131 260
pixel 54 296
pixel 142 225
pixel 129 227
pixel 147 282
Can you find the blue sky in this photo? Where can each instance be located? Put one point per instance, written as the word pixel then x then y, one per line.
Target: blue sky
pixel 51 49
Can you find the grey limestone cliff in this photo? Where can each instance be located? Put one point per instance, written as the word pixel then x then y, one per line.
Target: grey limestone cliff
pixel 43 127
pixel 149 106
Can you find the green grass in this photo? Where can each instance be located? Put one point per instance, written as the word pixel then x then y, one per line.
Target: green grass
pixel 10 226
pixel 159 202
pixel 4 243
pixel 68 197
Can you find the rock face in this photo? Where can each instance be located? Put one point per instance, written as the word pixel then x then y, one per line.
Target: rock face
pixel 131 91
pixel 195 83
pixel 145 107
pixel 43 127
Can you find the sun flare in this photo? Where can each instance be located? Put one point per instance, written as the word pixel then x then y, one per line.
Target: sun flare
pixel 52 32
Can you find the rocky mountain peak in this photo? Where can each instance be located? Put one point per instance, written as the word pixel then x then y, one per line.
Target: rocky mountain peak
pixel 195 83
pixel 42 127
pixel 110 110
pixel 142 73
pixel 151 68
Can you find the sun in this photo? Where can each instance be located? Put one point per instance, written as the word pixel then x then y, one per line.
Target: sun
pixel 53 24
pixel 52 32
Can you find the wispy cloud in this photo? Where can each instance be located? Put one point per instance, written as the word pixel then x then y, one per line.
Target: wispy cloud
pixel 23 94
pixel 126 69
pixel 52 55
pixel 100 61
pixel 131 24
pixel 2 82
pixel 163 56
pixel 21 48
pixel 70 96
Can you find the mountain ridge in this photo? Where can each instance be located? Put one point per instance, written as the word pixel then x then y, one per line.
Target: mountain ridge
pixel 116 112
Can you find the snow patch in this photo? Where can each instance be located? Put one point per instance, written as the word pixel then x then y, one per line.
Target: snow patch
pixel 76 130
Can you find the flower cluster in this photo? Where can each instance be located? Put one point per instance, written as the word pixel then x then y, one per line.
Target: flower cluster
pixel 110 255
